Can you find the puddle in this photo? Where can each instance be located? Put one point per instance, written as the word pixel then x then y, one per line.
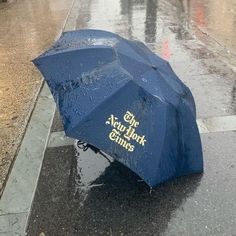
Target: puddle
pixel 87 168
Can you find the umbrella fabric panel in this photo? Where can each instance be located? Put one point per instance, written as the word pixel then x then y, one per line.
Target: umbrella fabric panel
pixel 59 69
pixel 161 66
pixel 191 160
pixel 154 83
pixel 73 40
pixel 132 66
pixel 143 155
pixel 77 103
pixel 124 47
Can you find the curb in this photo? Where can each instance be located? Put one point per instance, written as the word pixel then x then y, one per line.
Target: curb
pixel 18 195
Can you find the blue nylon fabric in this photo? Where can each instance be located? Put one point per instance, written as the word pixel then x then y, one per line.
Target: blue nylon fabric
pixel 98 78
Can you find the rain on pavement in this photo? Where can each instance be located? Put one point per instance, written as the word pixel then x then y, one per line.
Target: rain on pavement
pixel 26 28
pixel 82 193
pixel 216 19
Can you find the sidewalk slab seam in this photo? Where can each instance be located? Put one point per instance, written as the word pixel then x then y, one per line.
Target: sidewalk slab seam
pixel 13 224
pixel 205 125
pixel 58 139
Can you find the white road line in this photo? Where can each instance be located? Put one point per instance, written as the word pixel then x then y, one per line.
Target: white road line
pixel 207 125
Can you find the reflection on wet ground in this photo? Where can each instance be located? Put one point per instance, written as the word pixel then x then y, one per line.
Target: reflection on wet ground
pixel 74 198
pixel 26 28
pixel 115 202
pixel 215 18
pixel 147 20
pixel 86 169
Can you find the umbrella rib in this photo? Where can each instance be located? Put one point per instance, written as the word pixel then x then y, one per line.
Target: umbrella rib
pixel 146 64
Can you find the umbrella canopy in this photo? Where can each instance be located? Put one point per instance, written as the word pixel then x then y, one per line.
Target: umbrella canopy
pixel 120 97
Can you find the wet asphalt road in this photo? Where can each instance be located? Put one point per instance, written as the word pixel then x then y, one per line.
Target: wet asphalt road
pixel 81 193
pixel 26 28
pixel 117 203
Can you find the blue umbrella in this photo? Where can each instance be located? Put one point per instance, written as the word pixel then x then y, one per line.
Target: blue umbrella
pixel 120 97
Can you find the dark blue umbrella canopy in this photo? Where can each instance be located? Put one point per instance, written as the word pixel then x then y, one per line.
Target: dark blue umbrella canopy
pixel 120 97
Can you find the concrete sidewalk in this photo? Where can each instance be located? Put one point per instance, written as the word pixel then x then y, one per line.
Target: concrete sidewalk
pixel 81 193
pixel 26 29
